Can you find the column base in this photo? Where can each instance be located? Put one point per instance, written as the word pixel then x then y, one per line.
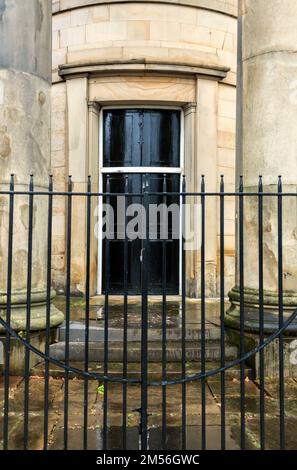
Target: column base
pixel 37 313
pixel 37 327
pixel 271 354
pixel 17 351
pixel 271 325
pixel 251 311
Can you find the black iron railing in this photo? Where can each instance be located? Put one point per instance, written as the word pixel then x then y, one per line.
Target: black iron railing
pixel 143 380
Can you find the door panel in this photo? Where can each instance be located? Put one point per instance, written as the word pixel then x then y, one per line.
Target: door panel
pixel 157 246
pixel 161 138
pixel 116 246
pixel 122 138
pixel 135 137
pixel 142 138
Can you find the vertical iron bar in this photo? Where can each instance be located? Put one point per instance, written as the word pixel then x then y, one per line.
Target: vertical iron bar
pixel 183 332
pixel 164 317
pixel 28 316
pixel 87 318
pixel 261 313
pixel 106 323
pixel 144 323
pixel 203 390
pixel 125 323
pixel 281 315
pixel 222 310
pixel 48 310
pixel 241 295
pixel 67 316
pixel 8 315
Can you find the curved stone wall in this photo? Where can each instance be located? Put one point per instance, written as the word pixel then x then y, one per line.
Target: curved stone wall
pixel 161 32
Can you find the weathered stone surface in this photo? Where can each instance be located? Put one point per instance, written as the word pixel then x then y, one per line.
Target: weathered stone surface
pixel 75 437
pixel 25 77
pixel 272 388
pixel 155 308
pixel 26 40
pixel 116 88
pixel 174 352
pixel 17 349
pixel 267 146
pixel 36 396
pixel 174 413
pixel 14 382
pixel 233 388
pixel 272 441
pixel 115 369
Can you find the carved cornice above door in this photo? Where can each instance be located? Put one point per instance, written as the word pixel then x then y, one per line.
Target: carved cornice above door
pixel 123 67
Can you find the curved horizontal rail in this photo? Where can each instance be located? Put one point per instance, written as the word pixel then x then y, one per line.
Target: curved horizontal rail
pixel 148 193
pixel 189 378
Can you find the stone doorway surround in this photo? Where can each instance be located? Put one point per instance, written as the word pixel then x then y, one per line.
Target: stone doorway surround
pixel 171 53
pixel 193 89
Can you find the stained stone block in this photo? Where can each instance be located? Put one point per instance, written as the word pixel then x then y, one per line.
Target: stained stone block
pixel 272 441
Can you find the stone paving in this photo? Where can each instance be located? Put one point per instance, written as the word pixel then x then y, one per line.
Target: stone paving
pixel 174 406
pixel 95 414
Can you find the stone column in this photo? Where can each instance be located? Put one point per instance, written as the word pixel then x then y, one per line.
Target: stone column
pixel 267 146
pixel 25 86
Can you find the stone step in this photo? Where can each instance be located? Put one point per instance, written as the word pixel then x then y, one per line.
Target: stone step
pixel 96 333
pixel 115 369
pixel 174 351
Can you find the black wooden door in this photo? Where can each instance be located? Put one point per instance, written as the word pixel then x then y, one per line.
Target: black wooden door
pixel 142 138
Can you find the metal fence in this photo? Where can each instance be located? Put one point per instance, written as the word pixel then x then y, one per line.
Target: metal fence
pixel 143 381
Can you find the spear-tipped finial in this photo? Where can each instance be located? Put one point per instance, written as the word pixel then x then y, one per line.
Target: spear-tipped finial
pixel 184 183
pixel 241 184
pixel 70 183
pixel 260 184
pixel 50 183
pixel 31 184
pixel 202 183
pixel 11 182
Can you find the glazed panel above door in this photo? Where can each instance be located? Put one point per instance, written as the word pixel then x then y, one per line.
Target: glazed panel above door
pixel 141 137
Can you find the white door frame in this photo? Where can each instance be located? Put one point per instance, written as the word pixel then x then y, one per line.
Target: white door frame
pixel 109 170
